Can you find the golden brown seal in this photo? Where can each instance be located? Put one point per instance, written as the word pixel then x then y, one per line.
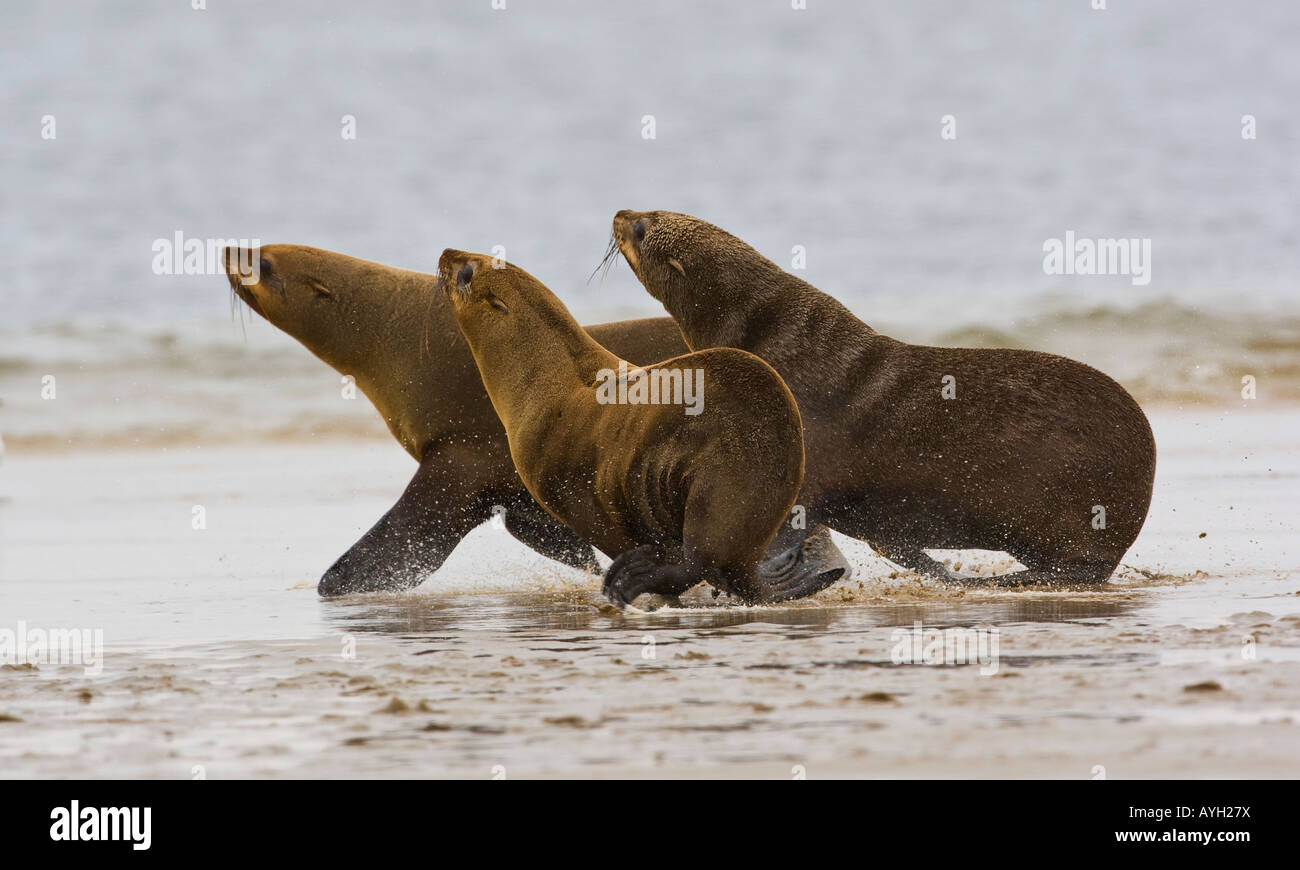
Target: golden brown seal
pixel 394 333
pixel 685 468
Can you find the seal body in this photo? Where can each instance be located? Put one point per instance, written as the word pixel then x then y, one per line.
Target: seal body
pixel 395 334
pixel 683 493
pixel 912 447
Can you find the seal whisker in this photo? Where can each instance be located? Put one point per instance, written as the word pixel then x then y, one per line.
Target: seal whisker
pixel 237 311
pixel 607 261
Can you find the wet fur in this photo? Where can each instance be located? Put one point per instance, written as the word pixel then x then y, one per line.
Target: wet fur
pixel 1016 462
pixel 680 499
pixel 393 330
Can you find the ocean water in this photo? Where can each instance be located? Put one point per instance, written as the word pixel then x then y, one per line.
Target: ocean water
pixel 523 128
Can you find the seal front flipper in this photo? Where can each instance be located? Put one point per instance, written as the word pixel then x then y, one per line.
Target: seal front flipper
pixel 806 568
pixel 439 507
pixel 640 571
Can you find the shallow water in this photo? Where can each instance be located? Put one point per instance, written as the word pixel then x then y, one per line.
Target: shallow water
pixel 219 659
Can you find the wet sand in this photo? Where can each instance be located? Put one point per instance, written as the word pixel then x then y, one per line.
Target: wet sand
pixel 220 659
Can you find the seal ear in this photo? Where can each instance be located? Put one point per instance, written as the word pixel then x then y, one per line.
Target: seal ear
pixel 321 289
pixel 676 265
pixel 496 303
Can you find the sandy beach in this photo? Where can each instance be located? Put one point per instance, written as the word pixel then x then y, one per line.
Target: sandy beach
pixel 219 659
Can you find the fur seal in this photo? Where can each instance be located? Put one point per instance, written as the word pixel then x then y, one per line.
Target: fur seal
pixel 912 447
pixel 394 333
pixel 682 491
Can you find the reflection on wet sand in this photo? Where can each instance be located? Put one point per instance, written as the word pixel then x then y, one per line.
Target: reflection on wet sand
pixel 555 684
pixel 420 615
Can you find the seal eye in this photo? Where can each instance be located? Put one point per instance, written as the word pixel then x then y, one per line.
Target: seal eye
pixel 638 232
pixel 466 274
pixel 265 266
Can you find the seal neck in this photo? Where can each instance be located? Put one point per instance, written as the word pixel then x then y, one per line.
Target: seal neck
pixel 400 350
pixel 782 320
pixel 541 360
pixel 754 302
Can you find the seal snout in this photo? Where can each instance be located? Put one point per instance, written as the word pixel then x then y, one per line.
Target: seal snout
pixel 449 259
pixel 629 231
pixel 241 265
pixel 230 262
pixel 622 223
pixel 243 271
pixel 456 272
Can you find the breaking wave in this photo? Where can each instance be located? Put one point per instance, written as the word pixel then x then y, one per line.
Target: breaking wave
pixel 135 385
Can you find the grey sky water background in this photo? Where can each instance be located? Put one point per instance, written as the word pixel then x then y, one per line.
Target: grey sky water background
pixel 820 127
pixel 523 128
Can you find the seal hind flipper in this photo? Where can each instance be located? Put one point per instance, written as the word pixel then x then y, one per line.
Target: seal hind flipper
pixel 538 530
pixel 917 560
pixel 806 568
pixel 913 558
pixel 1071 575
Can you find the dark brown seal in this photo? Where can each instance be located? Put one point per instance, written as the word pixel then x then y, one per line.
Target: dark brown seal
pixel 912 447
pixel 685 468
pixel 394 333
